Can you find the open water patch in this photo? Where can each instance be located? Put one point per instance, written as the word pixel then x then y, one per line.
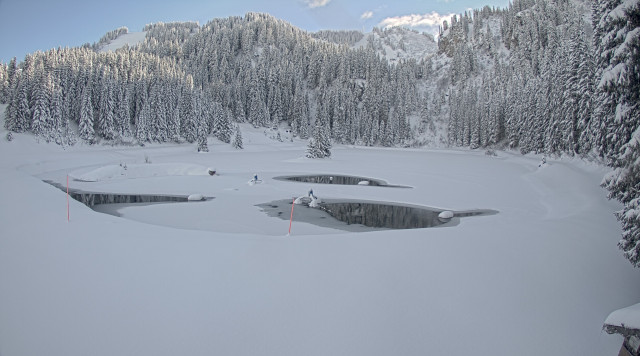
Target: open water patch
pixel 363 215
pixel 338 179
pixel 92 199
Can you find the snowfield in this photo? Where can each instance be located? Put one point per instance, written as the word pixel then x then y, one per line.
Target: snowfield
pixel 220 277
pixel 130 39
pixel 136 171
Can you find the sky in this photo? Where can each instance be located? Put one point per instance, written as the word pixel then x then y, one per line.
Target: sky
pixel 27 26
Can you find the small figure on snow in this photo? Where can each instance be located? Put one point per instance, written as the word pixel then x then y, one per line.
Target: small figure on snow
pixel 543 162
pixel 255 180
pixel 313 197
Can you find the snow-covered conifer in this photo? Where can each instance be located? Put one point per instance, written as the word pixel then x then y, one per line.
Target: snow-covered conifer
pixel 87 132
pixel 619 87
pixel 106 108
pixel 58 129
pixel 237 140
pixel 41 113
pixel 319 144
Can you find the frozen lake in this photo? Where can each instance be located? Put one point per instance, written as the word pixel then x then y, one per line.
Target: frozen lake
pixel 223 277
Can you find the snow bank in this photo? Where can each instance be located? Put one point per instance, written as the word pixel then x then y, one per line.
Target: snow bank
pixel 627 317
pixel 446 215
pixel 195 197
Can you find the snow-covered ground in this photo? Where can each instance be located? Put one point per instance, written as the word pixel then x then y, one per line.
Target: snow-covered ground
pixel 221 277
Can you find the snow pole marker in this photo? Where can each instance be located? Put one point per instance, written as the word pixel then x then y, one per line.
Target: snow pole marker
pixel 68 198
pixel 291 218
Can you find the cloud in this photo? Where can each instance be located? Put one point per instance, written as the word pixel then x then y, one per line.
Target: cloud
pixel 366 15
pixel 424 22
pixel 316 3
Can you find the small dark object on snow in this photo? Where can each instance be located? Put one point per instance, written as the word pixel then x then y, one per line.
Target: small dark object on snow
pixel 543 162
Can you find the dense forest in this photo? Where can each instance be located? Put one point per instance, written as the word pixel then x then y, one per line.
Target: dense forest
pixel 185 82
pixel 554 77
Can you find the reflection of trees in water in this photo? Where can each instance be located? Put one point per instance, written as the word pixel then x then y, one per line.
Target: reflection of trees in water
pixel 90 199
pixel 368 214
pixel 334 179
pixel 383 215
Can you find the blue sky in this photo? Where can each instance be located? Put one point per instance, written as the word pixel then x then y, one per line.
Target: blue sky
pixel 30 25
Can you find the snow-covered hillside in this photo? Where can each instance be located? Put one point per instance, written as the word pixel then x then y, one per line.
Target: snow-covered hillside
pixel 130 39
pixel 222 277
pixel 398 43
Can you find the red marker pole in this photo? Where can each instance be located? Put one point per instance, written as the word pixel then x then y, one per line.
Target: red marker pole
pixel 67 197
pixel 291 219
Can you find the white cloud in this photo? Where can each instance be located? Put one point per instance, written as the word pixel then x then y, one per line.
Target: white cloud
pixel 316 3
pixel 423 22
pixel 366 15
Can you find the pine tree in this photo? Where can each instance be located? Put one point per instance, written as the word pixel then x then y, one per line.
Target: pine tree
pixel 200 121
pixel 159 126
pixel 319 144
pixel 122 118
pixel 11 80
pixel 58 129
pixel 4 83
pixel 258 113
pixel 143 123
pixel 623 184
pixel 237 140
pixel 11 112
pixel 41 114
pixel 87 132
pixel 617 91
pixel 22 120
pixel 187 115
pixel 300 120
pixel 224 128
pixel 106 111
pixel 202 144
pixel 619 88
pixel 174 123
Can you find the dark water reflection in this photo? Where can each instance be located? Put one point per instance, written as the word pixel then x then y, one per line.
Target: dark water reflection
pixel 338 179
pixel 383 215
pixel 91 199
pixel 370 214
